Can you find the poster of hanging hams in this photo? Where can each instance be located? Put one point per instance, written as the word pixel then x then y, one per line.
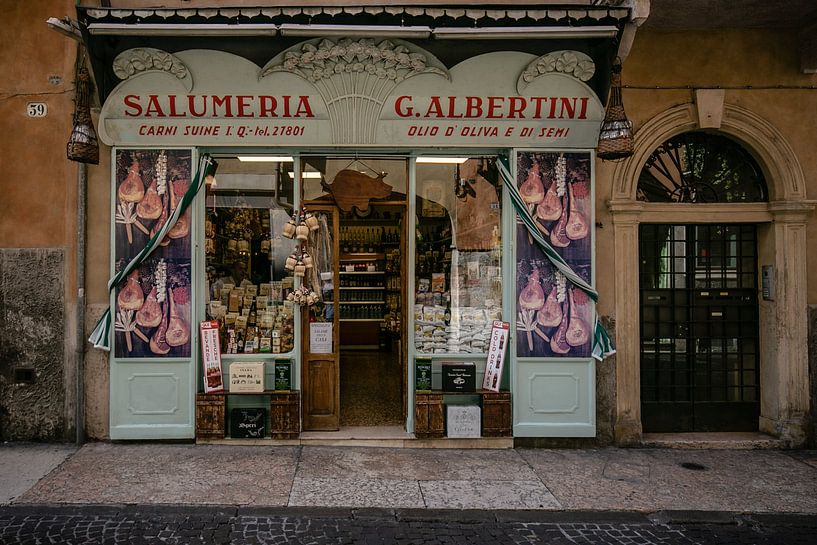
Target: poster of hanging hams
pixel 152 308
pixel 554 318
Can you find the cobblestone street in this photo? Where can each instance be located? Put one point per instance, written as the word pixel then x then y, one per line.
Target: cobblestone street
pixel 89 525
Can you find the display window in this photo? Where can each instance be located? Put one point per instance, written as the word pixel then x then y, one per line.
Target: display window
pixel 247 211
pixel 458 275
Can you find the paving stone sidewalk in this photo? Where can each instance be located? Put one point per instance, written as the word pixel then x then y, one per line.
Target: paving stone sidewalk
pixel 638 480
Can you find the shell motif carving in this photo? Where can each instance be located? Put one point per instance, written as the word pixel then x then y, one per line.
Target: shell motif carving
pixel 571 63
pixel 355 77
pixel 137 61
pixel 385 61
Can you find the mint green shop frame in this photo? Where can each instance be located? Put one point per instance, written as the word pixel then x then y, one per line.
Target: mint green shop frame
pixel 154 398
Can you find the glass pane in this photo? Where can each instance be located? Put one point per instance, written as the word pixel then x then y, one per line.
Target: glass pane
pixel 246 253
pixel 458 260
pixel 699 167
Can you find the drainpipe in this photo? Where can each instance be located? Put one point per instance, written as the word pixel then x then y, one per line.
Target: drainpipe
pixel 79 413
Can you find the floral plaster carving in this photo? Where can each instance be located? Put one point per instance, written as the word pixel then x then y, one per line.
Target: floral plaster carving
pixel 134 62
pixel 571 63
pixel 354 77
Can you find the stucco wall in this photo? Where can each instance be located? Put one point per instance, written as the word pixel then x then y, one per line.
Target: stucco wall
pixel 759 71
pixel 37 222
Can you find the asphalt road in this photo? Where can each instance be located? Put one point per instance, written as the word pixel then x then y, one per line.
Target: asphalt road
pixel 90 525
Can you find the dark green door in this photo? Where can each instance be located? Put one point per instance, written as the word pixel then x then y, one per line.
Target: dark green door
pixel 699 328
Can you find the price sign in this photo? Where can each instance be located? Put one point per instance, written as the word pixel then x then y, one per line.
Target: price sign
pixel 37 109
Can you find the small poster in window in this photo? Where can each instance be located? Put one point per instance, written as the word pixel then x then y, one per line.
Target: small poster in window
pixel 211 356
pixel 496 355
pixel 320 337
pixel 283 375
pixel 422 375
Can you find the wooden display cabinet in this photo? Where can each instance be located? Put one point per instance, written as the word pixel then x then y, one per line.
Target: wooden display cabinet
pixel 285 414
pixel 429 413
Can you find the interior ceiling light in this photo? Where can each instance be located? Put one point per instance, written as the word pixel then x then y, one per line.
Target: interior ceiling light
pixel 442 160
pixel 305 175
pixel 264 159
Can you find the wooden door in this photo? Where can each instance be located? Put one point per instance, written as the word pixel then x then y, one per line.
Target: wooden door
pixel 321 372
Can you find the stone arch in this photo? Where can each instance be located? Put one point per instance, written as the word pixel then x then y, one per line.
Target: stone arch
pixel 784 412
pixel 780 165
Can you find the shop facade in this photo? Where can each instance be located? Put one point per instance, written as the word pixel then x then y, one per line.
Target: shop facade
pixel 701 266
pixel 400 164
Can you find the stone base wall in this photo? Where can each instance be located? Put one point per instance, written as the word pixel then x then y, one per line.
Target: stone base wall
pixel 32 344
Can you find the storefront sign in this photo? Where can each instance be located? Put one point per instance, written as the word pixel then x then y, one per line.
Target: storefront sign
pixel 359 92
pixel 496 355
pixel 320 337
pixel 211 356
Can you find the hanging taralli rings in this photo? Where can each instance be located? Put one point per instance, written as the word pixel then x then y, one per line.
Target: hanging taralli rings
pixel 311 222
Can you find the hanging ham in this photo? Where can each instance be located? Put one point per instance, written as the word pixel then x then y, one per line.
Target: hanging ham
pixel 131 295
pixel 532 296
pixel 150 207
pixel 550 209
pixel 150 314
pixel 558 236
pixel 550 315
pixel 158 342
pixel 182 226
pixel 577 332
pixel 532 190
pixel 577 227
pixel 558 342
pixel 178 332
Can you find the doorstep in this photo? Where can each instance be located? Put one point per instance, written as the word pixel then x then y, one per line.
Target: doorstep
pixel 374 436
pixel 712 440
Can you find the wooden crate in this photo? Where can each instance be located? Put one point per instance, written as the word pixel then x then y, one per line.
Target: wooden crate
pixel 210 416
pixel 496 414
pixel 428 415
pixel 285 415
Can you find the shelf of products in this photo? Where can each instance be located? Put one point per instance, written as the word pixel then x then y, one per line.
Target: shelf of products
pixel 458 292
pixel 369 265
pixel 247 284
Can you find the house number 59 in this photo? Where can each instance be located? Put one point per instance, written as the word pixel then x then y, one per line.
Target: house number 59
pixel 37 109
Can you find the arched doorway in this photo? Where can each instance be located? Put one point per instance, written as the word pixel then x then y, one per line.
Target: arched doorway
pixel 699 349
pixel 781 232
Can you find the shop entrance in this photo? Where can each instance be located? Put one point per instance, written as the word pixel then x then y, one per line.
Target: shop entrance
pixel 362 382
pixel 699 328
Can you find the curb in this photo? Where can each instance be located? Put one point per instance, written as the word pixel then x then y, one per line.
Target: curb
pixel 664 517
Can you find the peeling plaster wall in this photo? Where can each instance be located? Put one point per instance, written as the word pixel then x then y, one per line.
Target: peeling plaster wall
pixel 32 322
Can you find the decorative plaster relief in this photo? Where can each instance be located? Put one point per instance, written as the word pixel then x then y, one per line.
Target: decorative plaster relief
pixel 354 77
pixel 570 63
pixel 140 60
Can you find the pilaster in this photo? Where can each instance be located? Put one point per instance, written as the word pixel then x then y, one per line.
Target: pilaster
pixel 628 378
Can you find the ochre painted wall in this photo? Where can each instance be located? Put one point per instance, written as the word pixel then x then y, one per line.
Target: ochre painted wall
pixel 37 224
pixel 759 70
